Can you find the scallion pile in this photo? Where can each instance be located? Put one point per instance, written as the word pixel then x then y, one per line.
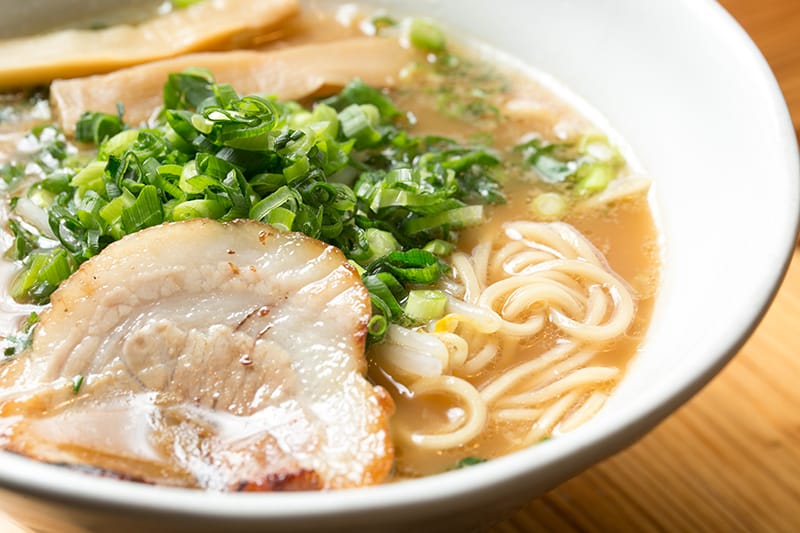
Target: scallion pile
pixel 344 171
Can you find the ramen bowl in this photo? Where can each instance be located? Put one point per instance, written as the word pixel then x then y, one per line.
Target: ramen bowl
pixel 698 106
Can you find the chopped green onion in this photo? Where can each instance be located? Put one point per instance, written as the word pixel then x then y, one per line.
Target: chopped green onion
pixel 298 169
pixel 593 178
pixel 598 147
pixel 24 241
pixel 382 22
pixel 383 297
pixel 97 127
pixel 188 90
pixel 358 267
pixel 358 123
pixel 11 174
pixel 358 92
pixel 281 218
pixel 201 208
pixel 588 166
pixel 261 210
pixel 469 461
pixel 40 196
pixel 440 247
pixel 547 160
pixel 461 217
pixel 43 274
pixel 225 94
pixel 424 305
pixel 146 211
pixel 377 326
pixel 77 382
pixel 202 124
pixel 412 266
pixel 377 244
pixel 181 4
pixel 118 144
pixel 426 36
pixel 90 178
pixel 112 212
pixel 15 344
pixel 325 114
pixel 549 206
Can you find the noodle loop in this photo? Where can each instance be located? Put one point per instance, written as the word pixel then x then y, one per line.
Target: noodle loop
pixel 538 287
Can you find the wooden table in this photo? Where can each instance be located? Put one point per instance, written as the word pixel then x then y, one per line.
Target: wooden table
pixel 729 460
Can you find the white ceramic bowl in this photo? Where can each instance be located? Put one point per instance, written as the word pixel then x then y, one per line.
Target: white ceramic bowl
pixel 684 85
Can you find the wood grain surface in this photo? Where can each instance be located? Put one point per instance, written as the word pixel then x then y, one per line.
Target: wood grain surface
pixel 729 460
pixel 774 25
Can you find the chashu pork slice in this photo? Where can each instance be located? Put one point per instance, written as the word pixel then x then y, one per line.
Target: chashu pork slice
pixel 290 74
pixel 219 24
pixel 202 354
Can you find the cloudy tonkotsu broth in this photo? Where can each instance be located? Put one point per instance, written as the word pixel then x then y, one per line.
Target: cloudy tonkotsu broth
pixel 548 298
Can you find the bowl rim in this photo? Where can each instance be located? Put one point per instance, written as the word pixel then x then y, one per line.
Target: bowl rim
pixel 31 478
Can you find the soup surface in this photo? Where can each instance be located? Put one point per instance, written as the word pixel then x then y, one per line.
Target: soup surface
pixel 542 298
